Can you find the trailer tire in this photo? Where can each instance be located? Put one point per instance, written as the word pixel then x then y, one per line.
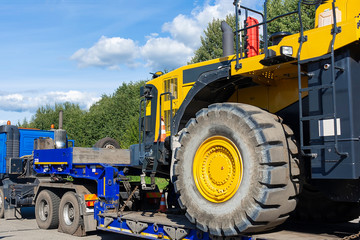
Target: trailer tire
pixel 69 214
pixel 107 142
pixel 47 210
pixel 253 187
pixel 2 203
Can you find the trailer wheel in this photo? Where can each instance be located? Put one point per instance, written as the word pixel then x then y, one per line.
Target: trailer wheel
pixel 69 213
pixel 235 170
pixel 2 203
pixel 47 210
pixel 107 142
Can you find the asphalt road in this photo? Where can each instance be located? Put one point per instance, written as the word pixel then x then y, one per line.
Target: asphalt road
pixel 27 229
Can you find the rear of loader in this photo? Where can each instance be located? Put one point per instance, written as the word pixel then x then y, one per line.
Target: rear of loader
pixel 246 133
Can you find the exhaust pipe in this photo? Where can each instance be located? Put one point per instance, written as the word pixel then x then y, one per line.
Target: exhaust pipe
pixel 60 134
pixel 227 39
pixel 61 119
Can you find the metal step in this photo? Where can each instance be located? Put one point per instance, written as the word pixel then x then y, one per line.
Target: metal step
pixel 318 87
pixel 312 147
pixel 317 117
pixel 151 217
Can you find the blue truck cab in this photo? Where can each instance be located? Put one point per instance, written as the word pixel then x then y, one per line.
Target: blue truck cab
pixel 17 179
pixel 17 142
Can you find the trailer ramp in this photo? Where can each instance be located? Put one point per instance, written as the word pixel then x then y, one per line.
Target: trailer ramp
pixel 150 225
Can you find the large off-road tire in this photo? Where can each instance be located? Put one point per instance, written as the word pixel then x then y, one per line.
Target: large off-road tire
pixel 315 206
pixel 69 214
pixel 235 170
pixel 47 210
pixel 2 203
pixel 107 142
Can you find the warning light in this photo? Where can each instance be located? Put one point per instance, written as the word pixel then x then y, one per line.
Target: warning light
pixel 8 123
pixel 52 126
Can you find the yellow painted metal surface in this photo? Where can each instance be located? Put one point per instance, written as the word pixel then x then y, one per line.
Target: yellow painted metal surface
pixel 348 9
pixel 50 163
pixel 217 169
pixel 276 95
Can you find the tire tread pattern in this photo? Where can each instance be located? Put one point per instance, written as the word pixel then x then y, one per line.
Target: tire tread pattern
pixel 279 163
pixel 2 207
pixel 55 202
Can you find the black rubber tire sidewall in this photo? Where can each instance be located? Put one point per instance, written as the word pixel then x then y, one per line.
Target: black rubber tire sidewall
pixel 53 201
pixel 262 200
pixel 2 207
pixel 102 143
pixel 78 221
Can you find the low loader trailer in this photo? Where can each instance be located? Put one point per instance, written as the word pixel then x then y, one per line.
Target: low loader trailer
pixel 102 197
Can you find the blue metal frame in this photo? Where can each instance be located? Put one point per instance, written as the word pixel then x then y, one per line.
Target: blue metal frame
pixel 59 162
pixel 153 231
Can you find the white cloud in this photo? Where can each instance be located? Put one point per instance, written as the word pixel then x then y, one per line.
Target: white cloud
pixel 184 29
pixel 3 122
pixel 27 102
pixel 220 10
pixel 152 35
pixel 107 52
pixel 159 52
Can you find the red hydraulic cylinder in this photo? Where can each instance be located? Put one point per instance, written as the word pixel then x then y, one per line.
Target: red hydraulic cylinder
pixel 252 40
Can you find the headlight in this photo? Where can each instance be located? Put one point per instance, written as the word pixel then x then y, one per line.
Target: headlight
pixel 286 50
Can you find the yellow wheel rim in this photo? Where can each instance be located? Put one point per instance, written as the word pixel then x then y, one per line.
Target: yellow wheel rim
pixel 217 169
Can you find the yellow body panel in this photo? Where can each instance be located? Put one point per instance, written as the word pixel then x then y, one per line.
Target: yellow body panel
pixel 51 163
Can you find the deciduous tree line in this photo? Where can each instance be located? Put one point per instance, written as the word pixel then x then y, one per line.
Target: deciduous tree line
pixel 114 116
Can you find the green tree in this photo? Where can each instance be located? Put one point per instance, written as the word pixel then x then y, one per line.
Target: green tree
pixel 289 23
pixel 211 43
pixel 47 115
pixel 114 116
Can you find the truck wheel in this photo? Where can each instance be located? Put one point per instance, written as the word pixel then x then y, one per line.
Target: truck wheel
pixel 2 203
pixel 107 142
pixel 47 210
pixel 69 213
pixel 235 170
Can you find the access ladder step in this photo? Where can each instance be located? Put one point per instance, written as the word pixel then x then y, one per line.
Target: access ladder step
pixel 312 147
pixel 317 117
pixel 313 88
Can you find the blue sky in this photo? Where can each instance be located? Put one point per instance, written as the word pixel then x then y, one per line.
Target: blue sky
pixel 77 50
